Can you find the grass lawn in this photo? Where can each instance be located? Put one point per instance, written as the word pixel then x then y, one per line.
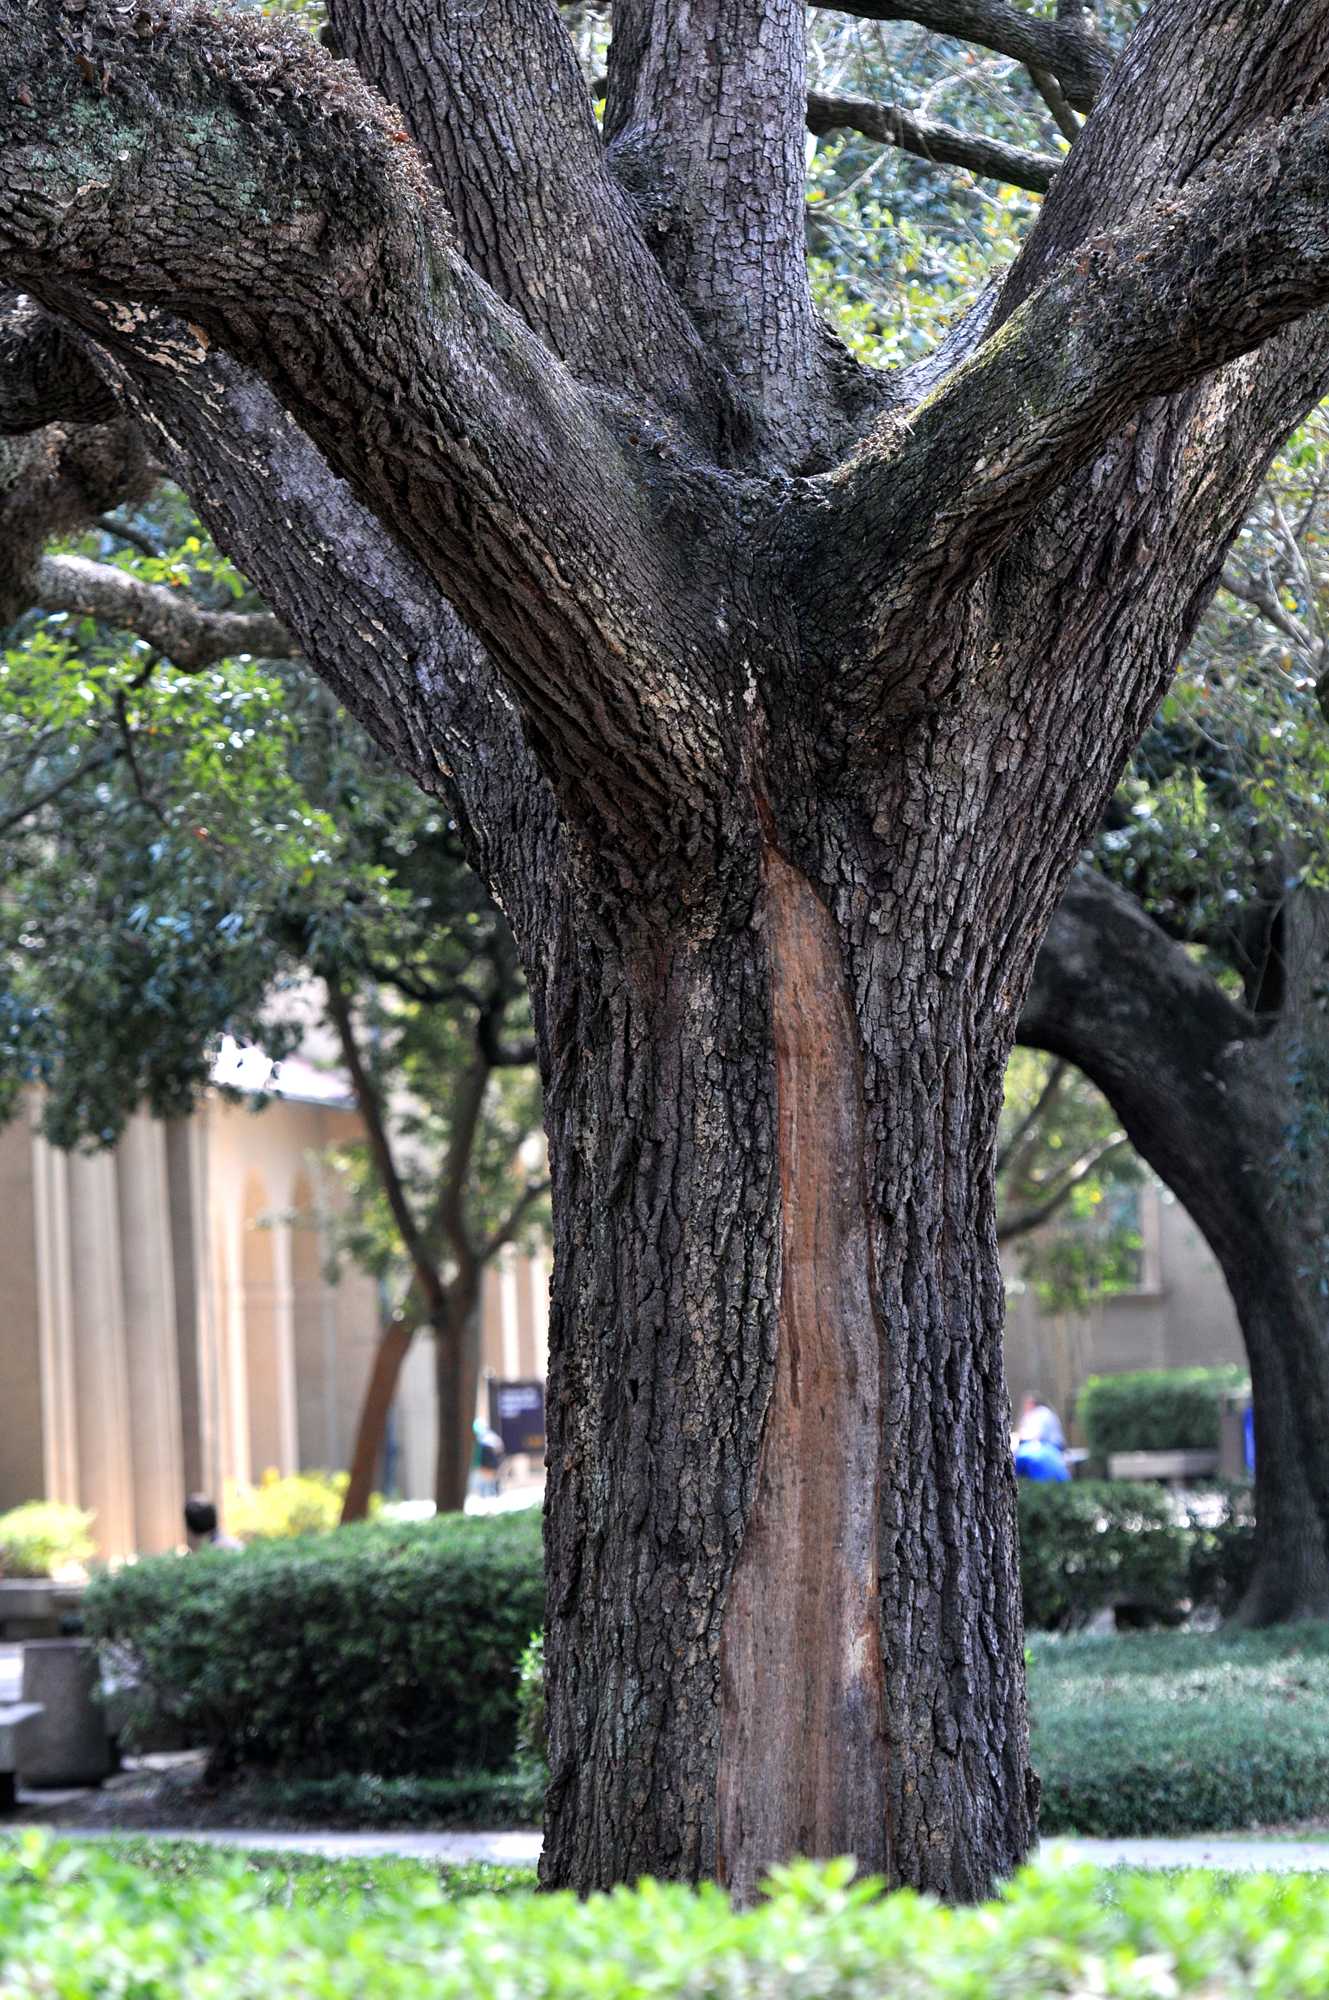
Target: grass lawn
pixel 1181 1732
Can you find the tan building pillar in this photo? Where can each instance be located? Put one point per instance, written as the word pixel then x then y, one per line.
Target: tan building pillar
pixel 30 1436
pixel 198 1359
pixel 101 1388
pixel 152 1367
pixel 270 1348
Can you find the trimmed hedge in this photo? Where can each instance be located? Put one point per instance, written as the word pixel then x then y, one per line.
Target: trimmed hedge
pixel 1096 1543
pixel 89 1925
pixel 1156 1409
pixel 1181 1732
pixel 1115 1542
pixel 388 1648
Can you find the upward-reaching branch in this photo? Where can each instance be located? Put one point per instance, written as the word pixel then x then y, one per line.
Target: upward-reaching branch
pixel 1204 276
pixel 499 108
pixel 704 116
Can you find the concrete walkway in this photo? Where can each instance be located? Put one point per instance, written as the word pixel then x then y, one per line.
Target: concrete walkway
pixel 522 1850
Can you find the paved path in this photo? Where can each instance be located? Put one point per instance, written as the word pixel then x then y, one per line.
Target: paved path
pixel 522 1850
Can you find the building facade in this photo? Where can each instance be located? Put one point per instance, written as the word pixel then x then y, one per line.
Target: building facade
pixel 172 1325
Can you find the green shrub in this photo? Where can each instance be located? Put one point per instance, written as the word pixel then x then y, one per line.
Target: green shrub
pixel 532 1736
pixel 386 1649
pixel 43 1536
pixel 1156 1409
pixel 1222 1551
pixel 1181 1732
pixel 89 1925
pixel 304 1503
pixel 1093 1543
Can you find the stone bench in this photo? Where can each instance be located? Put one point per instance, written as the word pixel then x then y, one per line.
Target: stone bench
pixel 1178 1468
pixel 16 1718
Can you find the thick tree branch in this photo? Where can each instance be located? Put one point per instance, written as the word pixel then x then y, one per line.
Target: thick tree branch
pixel 1195 80
pixel 928 140
pixel 1070 47
pixel 1205 276
pixel 45 375
pixel 300 235
pixel 503 118
pixel 704 117
pixel 189 636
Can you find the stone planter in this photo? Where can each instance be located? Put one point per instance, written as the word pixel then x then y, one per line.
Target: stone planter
pixel 68 1744
pixel 36 1608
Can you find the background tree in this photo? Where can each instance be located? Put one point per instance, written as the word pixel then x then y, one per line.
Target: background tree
pixel 785 697
pixel 1186 973
pixel 186 841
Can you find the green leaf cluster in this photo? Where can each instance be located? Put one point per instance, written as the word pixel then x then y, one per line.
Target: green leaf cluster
pixel 90 1925
pixel 43 1536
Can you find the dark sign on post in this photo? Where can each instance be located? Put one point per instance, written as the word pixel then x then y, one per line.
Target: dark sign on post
pixel 517 1413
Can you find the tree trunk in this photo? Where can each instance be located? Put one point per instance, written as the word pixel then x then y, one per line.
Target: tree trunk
pixel 1209 1096
pixel 394 1344
pixel 457 1384
pixel 784 1614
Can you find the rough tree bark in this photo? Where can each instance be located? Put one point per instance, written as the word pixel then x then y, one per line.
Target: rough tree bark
pixel 1207 1092
pixel 787 697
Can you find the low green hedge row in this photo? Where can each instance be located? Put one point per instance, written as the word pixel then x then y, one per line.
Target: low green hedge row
pixel 1156 1409
pixel 89 1925
pixel 1180 1732
pixel 385 1648
pixel 396 1650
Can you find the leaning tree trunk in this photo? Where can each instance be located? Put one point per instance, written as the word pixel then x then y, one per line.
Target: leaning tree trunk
pixel 1214 1098
pixel 457 1384
pixel 394 1344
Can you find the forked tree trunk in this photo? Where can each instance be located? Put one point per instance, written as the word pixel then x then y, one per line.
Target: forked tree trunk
pixel 1213 1098
pixel 394 1344
pixel 784 1611
pixel 457 1384
pixel 786 727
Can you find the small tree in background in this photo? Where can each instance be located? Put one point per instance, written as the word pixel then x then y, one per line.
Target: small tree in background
pixel 185 840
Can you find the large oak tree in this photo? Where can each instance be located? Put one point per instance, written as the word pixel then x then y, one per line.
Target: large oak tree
pixel 776 697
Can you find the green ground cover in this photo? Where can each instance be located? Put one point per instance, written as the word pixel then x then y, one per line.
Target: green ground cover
pixel 151 1923
pixel 1181 1732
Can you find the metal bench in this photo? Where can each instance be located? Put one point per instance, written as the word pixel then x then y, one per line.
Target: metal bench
pixel 14 1717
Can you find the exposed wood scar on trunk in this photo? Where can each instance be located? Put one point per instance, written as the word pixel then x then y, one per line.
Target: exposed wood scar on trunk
pixel 802 1766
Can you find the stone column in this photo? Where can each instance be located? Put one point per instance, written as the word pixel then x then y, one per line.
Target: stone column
pixel 198 1360
pixel 36 1456
pixel 101 1386
pixel 270 1348
pixel 150 1335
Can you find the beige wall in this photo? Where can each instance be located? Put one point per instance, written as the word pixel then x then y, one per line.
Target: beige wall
pixel 1180 1318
